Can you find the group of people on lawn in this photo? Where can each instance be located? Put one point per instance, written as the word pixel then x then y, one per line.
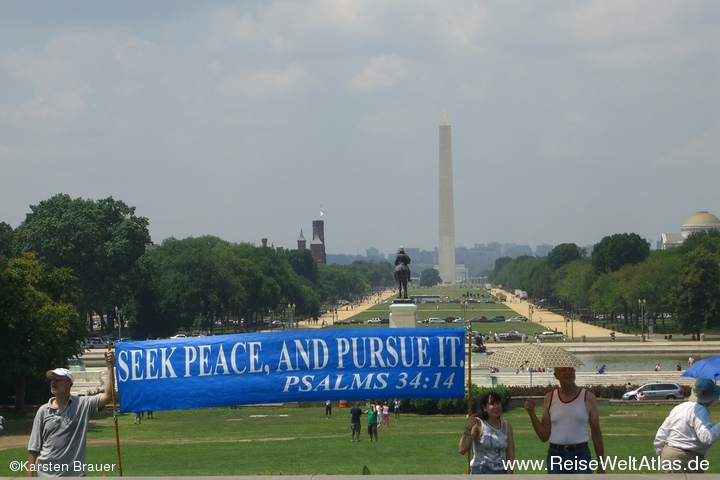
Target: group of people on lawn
pixel 681 441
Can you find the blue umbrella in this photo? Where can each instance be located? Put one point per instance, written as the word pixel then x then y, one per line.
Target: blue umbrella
pixel 707 368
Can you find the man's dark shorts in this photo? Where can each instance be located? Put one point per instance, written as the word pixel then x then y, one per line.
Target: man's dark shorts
pixel 372 428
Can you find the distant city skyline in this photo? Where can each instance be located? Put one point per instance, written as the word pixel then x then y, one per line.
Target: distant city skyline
pixel 481 257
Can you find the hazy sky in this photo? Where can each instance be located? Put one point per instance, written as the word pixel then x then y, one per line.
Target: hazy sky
pixel 571 120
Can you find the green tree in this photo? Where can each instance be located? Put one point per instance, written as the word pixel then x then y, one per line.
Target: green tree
pixel 337 282
pixel 576 285
pixel 200 281
pixel 39 326
pixel 499 265
pixel 696 296
pixel 281 286
pixel 617 250
pixel 100 241
pixel 606 296
pixel 538 281
pixel 527 273
pixel 430 277
pixel 146 316
pixel 563 254
pixel 709 240
pixel 7 240
pixel 303 263
pixel 376 274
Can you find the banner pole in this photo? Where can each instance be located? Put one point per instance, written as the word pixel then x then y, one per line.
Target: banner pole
pixel 469 388
pixel 115 415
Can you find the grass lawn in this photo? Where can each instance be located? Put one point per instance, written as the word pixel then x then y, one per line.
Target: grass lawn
pixel 300 441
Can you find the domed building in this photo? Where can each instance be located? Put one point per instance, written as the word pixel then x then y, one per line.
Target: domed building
pixel 699 222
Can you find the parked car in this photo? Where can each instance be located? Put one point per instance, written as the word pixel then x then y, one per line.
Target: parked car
pixel 511 335
pixel 657 391
pixel 517 319
pixel 435 320
pixel 179 335
pixel 356 321
pixel 375 320
pixel 385 321
pixel 549 334
pixel 95 342
pixel 498 318
pixel 342 322
pixel 459 320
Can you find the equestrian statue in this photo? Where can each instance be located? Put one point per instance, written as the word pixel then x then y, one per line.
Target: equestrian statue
pixel 402 272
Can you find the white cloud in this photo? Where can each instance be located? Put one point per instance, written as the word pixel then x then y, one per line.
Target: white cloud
pixel 381 72
pixel 261 84
pixel 700 152
pixel 227 27
pixel 574 117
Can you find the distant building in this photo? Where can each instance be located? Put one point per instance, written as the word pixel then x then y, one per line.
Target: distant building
pixel 317 245
pixel 513 251
pixel 543 250
pixel 373 253
pixel 699 222
pixel 302 243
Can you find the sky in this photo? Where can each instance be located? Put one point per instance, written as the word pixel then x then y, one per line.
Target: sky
pixel 571 120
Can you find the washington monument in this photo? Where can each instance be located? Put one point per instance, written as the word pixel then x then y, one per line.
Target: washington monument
pixel 446 225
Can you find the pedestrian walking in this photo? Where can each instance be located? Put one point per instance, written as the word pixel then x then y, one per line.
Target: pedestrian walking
pixel 355 414
pixel 372 417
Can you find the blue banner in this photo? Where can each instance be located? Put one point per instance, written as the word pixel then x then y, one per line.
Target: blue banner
pixel 291 366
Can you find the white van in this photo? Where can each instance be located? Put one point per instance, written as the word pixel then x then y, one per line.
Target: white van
pixel 657 391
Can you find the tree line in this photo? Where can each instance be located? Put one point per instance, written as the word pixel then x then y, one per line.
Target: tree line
pixel 75 260
pixel 621 271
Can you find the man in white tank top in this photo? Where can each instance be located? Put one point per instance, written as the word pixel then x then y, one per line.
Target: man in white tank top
pixel 567 412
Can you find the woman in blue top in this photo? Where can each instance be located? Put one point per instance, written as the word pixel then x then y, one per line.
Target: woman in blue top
pixel 490 436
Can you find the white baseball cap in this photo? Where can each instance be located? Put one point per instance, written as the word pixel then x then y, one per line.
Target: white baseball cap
pixel 63 372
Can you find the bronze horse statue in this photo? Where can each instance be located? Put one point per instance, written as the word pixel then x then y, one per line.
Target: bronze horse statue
pixel 402 276
pixel 402 273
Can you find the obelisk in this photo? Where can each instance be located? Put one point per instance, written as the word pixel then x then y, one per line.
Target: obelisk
pixel 446 224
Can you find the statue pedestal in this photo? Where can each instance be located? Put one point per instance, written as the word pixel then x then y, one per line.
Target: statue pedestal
pixel 403 314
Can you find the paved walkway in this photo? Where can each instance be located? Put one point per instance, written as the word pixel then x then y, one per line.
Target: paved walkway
pixel 557 322
pixel 348 312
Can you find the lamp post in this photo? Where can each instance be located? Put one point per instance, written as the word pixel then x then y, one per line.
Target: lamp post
pixel 291 307
pixel 118 316
pixel 641 304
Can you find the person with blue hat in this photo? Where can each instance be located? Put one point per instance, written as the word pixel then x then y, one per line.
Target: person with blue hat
pixel 687 433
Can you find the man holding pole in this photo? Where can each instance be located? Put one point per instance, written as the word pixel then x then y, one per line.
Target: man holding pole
pixel 59 434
